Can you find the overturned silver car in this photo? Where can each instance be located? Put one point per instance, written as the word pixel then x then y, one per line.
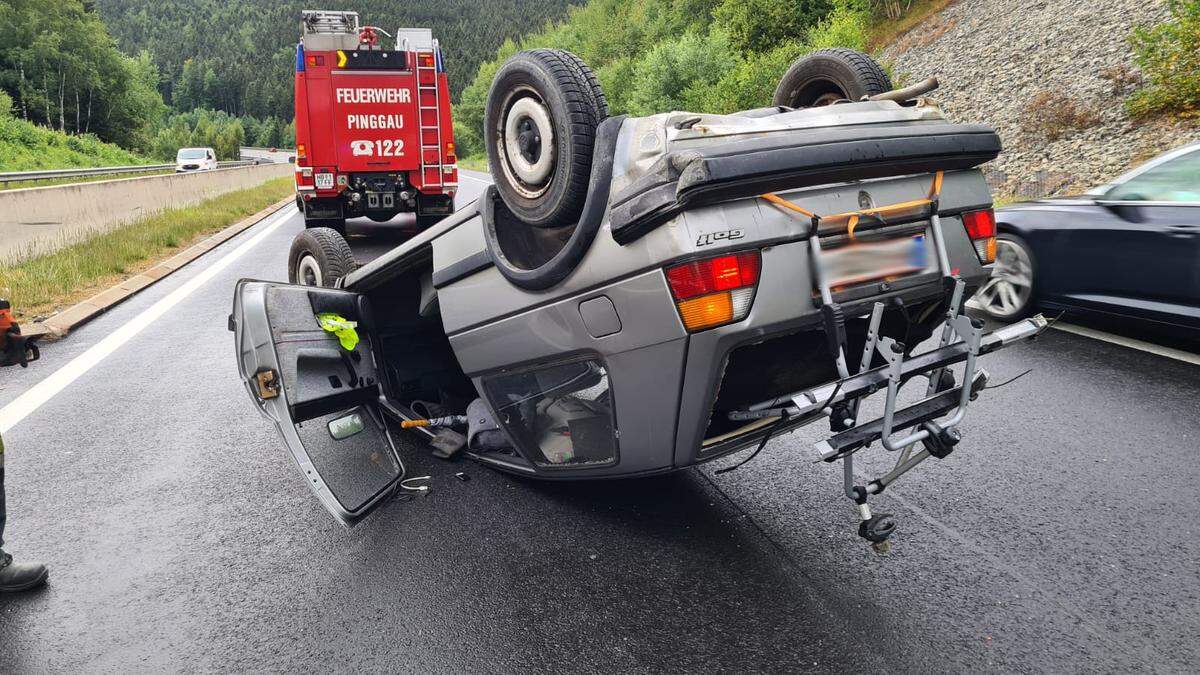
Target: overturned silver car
pixel 639 295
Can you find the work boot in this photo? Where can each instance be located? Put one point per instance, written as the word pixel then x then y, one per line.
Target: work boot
pixel 16 577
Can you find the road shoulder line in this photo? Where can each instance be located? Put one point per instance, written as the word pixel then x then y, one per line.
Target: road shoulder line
pixel 1131 343
pixel 37 395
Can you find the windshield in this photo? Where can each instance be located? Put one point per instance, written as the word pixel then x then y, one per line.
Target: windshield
pixel 1176 180
pixel 191 153
pixel 1169 177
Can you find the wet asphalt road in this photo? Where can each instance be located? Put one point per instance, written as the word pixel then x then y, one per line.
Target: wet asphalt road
pixel 1062 536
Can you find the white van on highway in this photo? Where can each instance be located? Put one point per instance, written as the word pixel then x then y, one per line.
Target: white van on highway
pixel 195 159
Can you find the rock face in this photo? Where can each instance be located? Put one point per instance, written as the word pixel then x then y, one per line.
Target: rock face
pixel 1014 63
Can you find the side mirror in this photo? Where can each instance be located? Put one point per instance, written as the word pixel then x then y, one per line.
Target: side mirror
pixel 1127 208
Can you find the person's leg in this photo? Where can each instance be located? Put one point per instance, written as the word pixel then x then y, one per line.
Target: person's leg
pixel 15 576
pixel 1 495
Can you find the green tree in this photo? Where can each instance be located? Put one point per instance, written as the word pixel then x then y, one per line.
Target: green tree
pixel 1169 56
pixel 761 25
pixel 674 75
pixel 63 70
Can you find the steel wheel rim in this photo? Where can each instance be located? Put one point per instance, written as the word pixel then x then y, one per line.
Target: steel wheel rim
pixel 1008 290
pixel 527 144
pixel 308 272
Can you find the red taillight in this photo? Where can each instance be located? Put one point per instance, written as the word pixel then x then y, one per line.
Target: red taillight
pixel 715 274
pixel 981 228
pixel 980 224
pixel 715 291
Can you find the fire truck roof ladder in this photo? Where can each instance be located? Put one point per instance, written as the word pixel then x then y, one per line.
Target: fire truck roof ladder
pixel 429 102
pixel 323 22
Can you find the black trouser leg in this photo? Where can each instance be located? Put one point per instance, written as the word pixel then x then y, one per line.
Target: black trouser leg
pixel 1 492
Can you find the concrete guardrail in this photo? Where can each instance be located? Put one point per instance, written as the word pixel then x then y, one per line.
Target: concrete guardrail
pixel 43 219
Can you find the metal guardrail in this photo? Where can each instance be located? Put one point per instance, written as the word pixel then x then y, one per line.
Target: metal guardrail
pixel 53 174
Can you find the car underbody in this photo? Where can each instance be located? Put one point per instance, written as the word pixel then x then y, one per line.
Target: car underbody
pixel 729 278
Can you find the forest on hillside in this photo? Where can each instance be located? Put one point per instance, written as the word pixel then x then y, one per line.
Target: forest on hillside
pixel 60 70
pixel 658 55
pixel 238 56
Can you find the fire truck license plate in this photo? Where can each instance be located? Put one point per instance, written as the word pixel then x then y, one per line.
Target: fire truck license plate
pixel 324 181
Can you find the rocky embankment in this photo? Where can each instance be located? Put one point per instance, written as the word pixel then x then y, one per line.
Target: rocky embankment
pixel 1051 76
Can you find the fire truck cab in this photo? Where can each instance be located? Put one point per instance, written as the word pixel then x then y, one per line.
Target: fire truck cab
pixel 374 135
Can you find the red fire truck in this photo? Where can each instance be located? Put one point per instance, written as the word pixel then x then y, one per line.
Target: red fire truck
pixel 374 135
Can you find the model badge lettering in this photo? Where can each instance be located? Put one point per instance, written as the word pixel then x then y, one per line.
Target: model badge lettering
pixel 709 238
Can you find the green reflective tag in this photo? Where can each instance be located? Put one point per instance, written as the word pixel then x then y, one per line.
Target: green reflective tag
pixel 343 329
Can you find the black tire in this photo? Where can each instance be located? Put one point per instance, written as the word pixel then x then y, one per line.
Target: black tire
pixel 537 258
pixel 537 92
pixel 299 204
pixel 319 257
pixel 829 75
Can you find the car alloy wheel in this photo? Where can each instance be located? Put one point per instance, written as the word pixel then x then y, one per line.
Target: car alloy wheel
pixel 1008 292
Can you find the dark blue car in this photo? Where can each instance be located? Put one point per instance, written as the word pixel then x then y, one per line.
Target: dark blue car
pixel 1128 249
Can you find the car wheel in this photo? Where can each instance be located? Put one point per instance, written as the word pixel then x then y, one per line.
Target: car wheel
pixel 1008 294
pixel 830 75
pixel 319 257
pixel 542 112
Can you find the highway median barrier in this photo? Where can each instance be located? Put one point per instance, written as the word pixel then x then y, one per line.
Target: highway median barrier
pixel 39 220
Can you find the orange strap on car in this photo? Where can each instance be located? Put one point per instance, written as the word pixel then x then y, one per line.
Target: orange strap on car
pixel 852 217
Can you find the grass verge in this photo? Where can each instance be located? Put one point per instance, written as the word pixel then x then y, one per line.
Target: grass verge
pixel 44 284
pixel 474 163
pixel 16 185
pixel 885 31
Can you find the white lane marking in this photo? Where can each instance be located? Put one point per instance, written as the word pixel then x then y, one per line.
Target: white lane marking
pixel 1131 343
pixel 37 395
pixel 1158 350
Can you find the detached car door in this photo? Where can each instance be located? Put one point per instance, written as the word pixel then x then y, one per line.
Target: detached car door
pixel 322 397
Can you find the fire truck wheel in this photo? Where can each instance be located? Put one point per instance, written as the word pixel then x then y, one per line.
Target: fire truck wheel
pixel 542 112
pixel 319 257
pixel 299 204
pixel 830 75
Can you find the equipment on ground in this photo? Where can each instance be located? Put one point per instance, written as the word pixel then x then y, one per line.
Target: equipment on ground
pixel 15 349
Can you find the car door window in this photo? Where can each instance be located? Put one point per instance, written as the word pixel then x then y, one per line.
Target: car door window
pixel 1176 180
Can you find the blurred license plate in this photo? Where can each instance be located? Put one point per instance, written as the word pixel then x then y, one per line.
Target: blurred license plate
pixel 858 262
pixel 324 181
